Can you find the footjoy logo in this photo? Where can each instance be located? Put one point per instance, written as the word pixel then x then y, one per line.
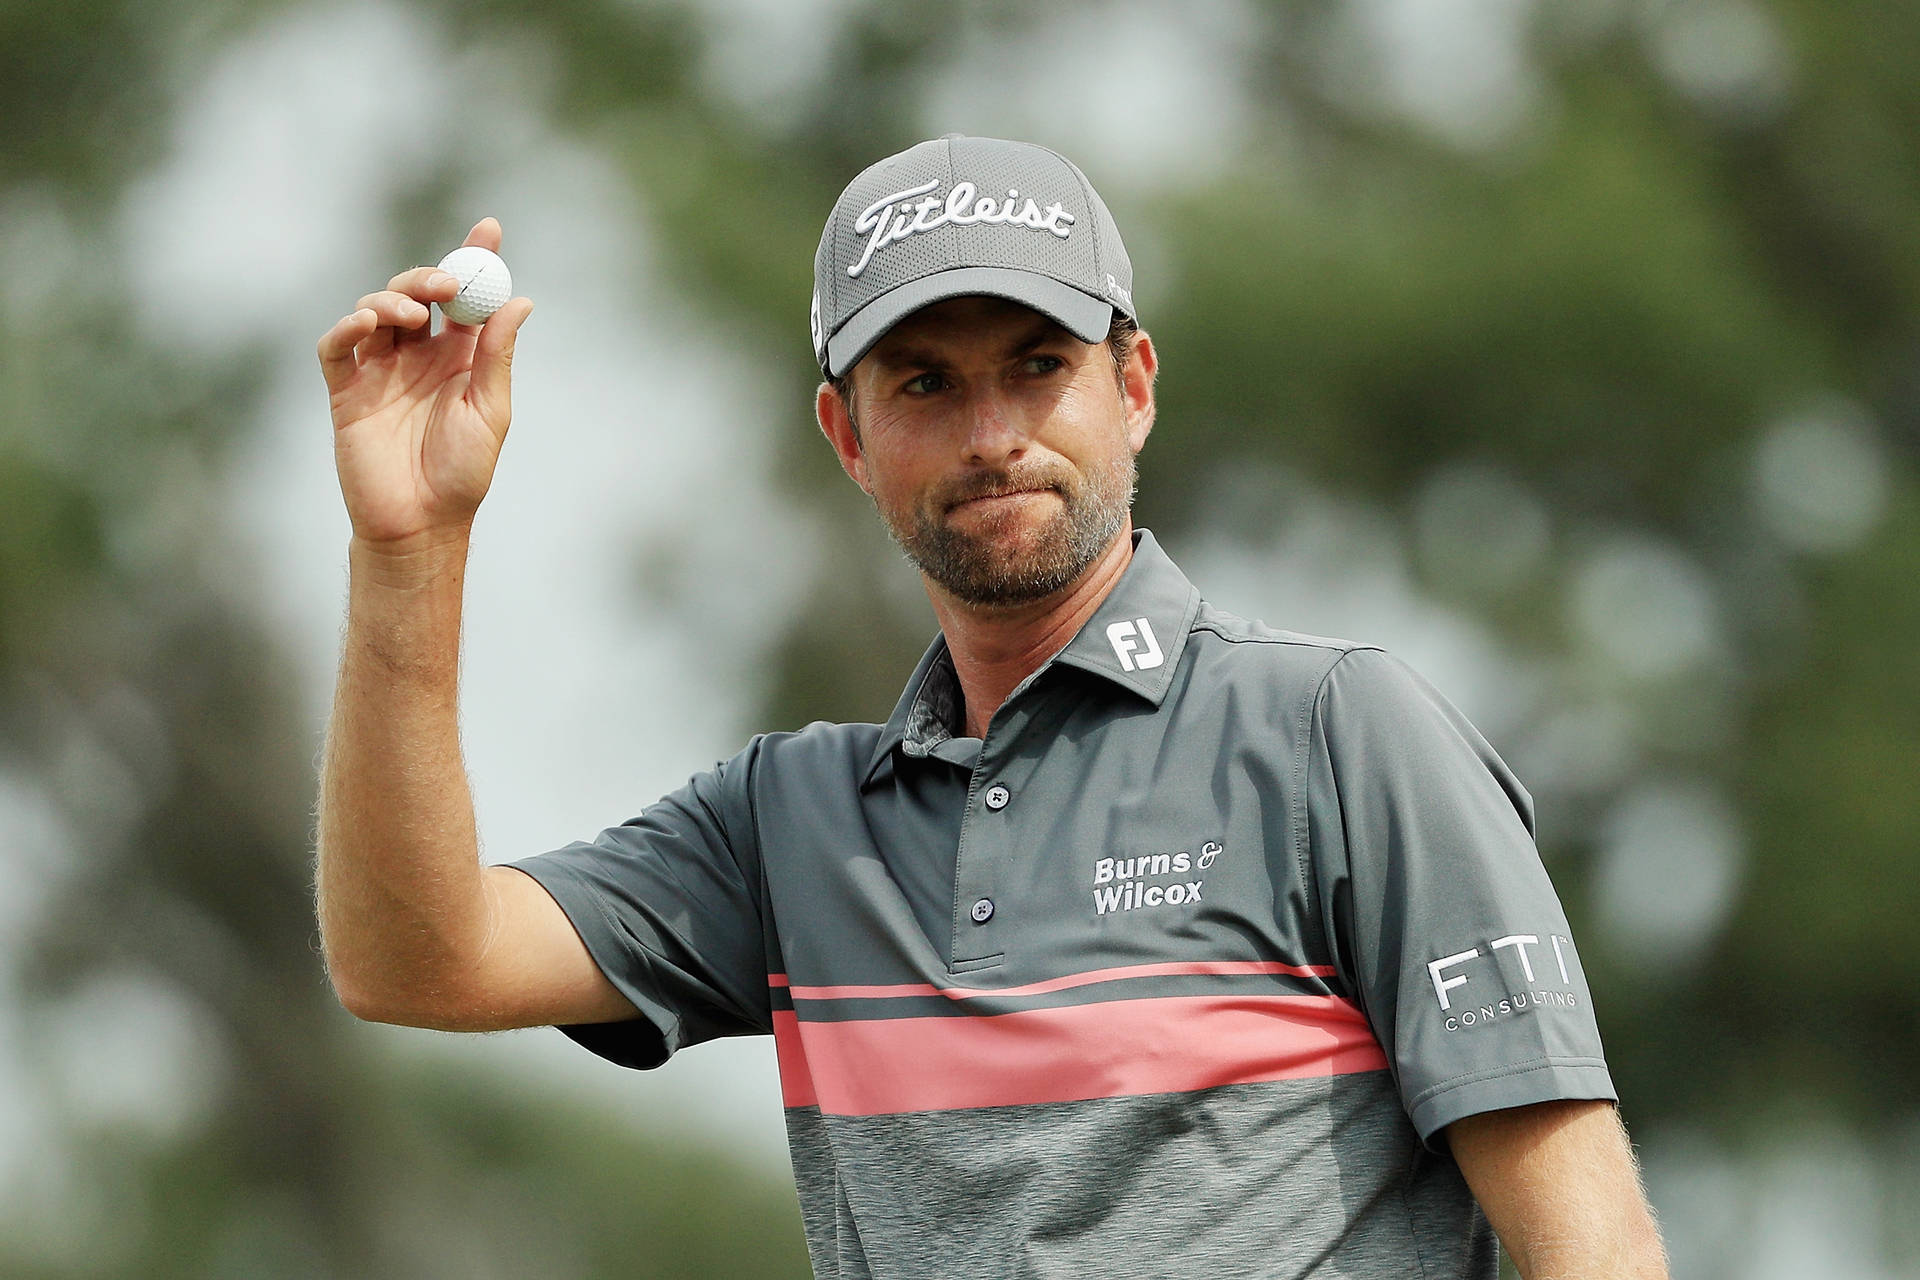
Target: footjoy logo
pixel 1476 1009
pixel 1133 643
pixel 1127 884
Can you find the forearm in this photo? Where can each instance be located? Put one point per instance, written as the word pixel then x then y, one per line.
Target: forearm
pixel 1598 1237
pixel 1560 1185
pixel 401 907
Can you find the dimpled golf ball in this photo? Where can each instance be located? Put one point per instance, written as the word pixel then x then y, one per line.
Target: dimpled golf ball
pixel 485 284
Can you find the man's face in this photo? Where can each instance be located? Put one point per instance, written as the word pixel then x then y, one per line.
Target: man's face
pixel 998 448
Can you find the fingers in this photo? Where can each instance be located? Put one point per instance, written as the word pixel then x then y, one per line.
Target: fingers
pixel 425 284
pixel 418 286
pixel 400 313
pixel 486 234
pixel 336 346
pixel 395 309
pixel 491 383
pixel 378 320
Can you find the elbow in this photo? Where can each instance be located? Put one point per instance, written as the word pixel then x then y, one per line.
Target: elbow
pixel 375 985
pixel 370 994
pixel 427 1005
pixel 364 1000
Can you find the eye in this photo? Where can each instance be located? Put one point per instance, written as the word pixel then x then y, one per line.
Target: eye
pixel 924 384
pixel 1045 364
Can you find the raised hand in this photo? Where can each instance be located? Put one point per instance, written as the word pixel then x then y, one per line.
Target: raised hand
pixel 418 417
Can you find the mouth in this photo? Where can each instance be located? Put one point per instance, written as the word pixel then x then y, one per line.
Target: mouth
pixel 987 501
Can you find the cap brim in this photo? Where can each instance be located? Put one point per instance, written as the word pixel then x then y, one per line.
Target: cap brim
pixel 1081 314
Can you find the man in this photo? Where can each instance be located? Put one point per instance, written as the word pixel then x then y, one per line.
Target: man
pixel 1141 941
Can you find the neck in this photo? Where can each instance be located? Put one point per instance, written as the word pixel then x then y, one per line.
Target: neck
pixel 995 648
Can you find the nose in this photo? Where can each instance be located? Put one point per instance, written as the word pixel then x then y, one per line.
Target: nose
pixel 995 434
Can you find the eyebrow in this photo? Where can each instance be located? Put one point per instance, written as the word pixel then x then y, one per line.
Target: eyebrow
pixel 1042 332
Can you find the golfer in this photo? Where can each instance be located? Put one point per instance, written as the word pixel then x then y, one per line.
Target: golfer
pixel 1141 940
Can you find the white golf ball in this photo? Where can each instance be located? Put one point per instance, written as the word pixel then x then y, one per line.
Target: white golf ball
pixel 485 284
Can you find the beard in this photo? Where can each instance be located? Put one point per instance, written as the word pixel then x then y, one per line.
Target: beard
pixel 1004 561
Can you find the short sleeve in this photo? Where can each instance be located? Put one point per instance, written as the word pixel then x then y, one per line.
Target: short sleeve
pixel 669 906
pixel 1443 921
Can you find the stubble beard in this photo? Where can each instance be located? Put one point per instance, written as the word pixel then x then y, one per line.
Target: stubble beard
pixel 989 568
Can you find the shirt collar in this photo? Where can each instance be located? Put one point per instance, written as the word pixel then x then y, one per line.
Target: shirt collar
pixel 927 707
pixel 1134 639
pixel 1136 636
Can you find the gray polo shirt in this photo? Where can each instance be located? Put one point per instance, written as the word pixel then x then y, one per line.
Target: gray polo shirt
pixel 1180 970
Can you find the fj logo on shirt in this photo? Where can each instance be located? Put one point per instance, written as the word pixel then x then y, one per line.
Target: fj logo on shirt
pixel 1134 644
pixel 1127 884
pixel 1450 972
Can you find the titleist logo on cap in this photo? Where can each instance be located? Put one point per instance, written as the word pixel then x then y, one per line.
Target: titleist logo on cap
pixel 884 224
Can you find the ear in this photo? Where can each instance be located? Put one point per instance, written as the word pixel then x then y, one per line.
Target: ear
pixel 1136 388
pixel 837 425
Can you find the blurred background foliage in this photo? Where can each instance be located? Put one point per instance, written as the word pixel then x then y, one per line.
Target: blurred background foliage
pixel 1571 349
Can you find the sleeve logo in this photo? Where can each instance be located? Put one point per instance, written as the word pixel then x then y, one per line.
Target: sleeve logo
pixel 1449 973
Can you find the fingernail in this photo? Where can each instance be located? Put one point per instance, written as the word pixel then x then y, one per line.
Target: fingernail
pixel 439 280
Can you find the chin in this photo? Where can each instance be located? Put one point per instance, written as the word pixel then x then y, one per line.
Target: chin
pixel 1023 534
pixel 1008 566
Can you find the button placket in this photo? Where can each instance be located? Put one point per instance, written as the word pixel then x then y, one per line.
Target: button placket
pixel 988 838
pixel 977 874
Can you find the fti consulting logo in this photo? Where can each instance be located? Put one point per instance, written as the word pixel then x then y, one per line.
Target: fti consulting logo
pixel 1491 990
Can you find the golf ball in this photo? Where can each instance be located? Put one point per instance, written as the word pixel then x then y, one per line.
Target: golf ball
pixel 485 284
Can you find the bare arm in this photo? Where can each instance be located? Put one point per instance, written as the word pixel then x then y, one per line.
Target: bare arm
pixel 415 930
pixel 1559 1183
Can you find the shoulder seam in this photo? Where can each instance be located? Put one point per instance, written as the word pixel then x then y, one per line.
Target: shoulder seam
pixel 1292 638
pixel 762 894
pixel 1302 835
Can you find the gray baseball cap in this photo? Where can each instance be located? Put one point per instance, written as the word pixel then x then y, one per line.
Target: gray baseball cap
pixel 960 216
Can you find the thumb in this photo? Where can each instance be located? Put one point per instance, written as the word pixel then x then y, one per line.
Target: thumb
pixel 490 387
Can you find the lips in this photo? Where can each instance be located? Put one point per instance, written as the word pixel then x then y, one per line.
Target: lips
pixel 970 499
pixel 991 497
